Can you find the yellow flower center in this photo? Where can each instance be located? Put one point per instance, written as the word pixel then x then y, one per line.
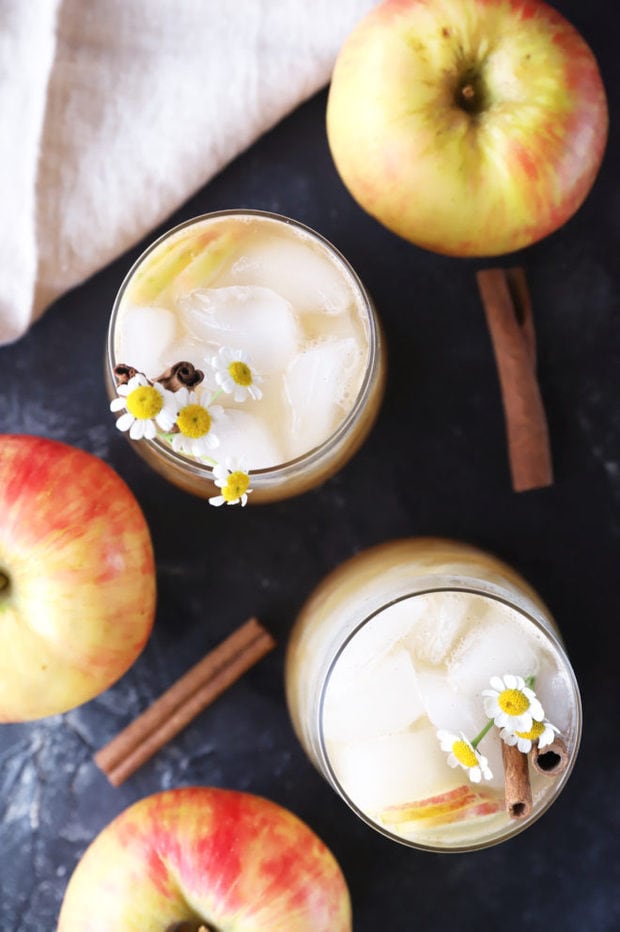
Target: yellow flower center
pixel 240 373
pixel 194 421
pixel 237 485
pixel 144 402
pixel 535 731
pixel 513 702
pixel 464 754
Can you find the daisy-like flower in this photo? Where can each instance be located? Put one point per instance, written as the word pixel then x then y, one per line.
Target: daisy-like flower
pixel 234 481
pixel 147 406
pixel 235 375
pixel 463 754
pixel 541 732
pixel 195 423
pixel 511 704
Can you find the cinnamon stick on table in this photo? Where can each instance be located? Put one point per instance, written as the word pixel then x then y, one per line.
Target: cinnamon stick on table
pixel 506 300
pixel 175 708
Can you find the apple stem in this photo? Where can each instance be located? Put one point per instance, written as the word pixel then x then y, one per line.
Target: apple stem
pixel 191 926
pixel 469 94
pixel 467 97
pixel 4 581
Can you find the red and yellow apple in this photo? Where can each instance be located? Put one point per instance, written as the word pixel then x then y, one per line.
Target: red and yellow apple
pixel 468 127
pixel 77 577
pixel 205 858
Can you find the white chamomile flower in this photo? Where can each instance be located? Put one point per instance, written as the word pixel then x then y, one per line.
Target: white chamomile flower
pixel 511 704
pixel 147 406
pixel 233 479
pixel 463 754
pixel 541 732
pixel 195 422
pixel 235 375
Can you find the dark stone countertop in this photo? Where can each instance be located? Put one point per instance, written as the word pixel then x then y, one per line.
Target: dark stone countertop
pixel 441 430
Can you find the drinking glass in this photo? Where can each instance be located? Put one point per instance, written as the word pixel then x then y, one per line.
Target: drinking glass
pixel 305 332
pixel 427 682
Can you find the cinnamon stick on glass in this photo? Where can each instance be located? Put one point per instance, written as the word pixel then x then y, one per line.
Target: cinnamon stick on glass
pixel 517 789
pixel 551 760
pixel 175 708
pixel 506 300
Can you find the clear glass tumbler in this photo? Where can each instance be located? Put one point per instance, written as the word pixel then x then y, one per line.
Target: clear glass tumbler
pixel 284 338
pixel 427 682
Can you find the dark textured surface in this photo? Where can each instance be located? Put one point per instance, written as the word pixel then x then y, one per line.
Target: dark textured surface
pixel 435 464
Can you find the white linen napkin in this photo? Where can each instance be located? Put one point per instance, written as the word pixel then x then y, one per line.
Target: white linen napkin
pixel 114 112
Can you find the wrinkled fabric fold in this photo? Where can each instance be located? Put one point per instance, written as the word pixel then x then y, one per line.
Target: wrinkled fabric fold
pixel 113 113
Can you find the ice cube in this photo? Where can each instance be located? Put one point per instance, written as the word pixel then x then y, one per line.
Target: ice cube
pixel 251 318
pixel 392 770
pixel 382 699
pixel 320 384
pixel 377 637
pixel 298 271
pixel 444 618
pixel 455 712
pixel 144 334
pixel 554 691
pixel 499 644
pixel 242 434
pixel 448 709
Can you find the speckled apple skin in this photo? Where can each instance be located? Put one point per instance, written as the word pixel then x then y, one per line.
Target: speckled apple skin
pixel 467 183
pixel 237 861
pixel 80 602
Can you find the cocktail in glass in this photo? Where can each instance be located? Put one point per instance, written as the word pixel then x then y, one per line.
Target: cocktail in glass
pixel 427 682
pixel 270 338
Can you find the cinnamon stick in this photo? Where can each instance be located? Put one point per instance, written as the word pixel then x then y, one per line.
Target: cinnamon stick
pixel 182 375
pixel 508 309
pixel 517 789
pixel 189 696
pixel 552 760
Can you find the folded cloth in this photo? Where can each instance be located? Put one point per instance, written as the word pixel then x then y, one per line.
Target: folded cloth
pixel 114 112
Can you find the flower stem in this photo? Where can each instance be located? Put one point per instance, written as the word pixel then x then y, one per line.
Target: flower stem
pixel 215 396
pixel 481 734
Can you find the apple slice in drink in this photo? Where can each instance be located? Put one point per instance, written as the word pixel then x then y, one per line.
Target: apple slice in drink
pixel 456 805
pixel 206 263
pixel 187 261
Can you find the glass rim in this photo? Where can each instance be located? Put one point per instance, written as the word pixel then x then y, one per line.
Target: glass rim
pixel 451 584
pixel 287 470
